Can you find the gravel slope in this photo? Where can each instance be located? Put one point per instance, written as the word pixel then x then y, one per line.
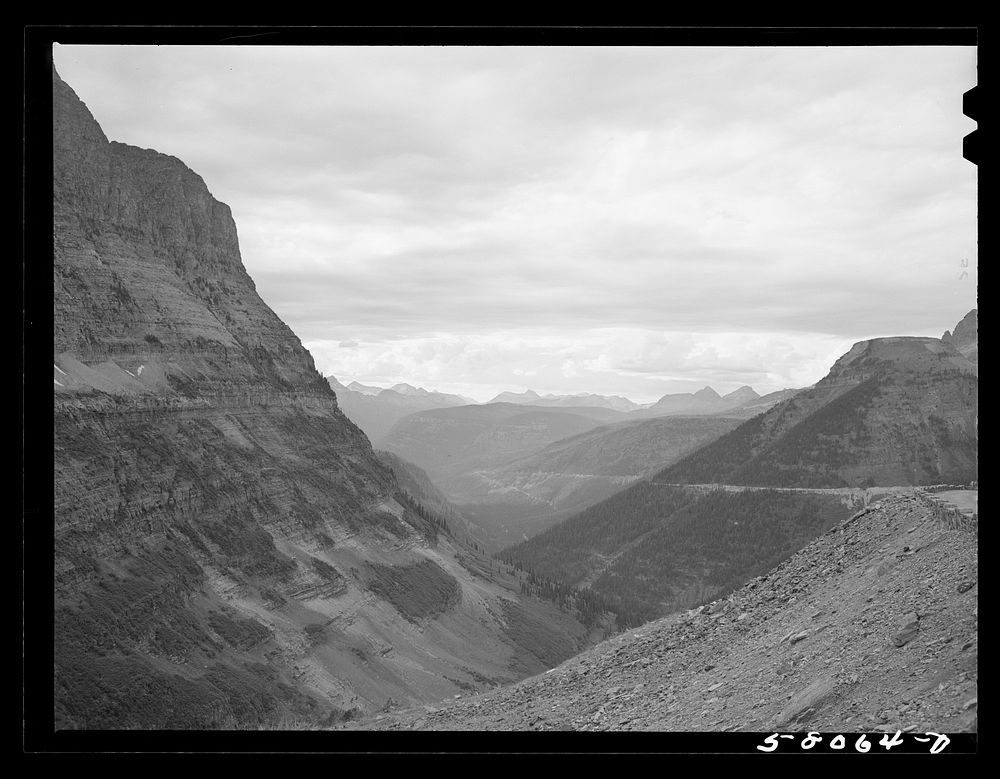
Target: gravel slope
pixel 874 626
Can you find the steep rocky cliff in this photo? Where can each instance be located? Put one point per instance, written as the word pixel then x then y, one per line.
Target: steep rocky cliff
pixel 229 551
pixel 965 338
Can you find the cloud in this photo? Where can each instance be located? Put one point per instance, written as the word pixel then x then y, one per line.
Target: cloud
pixel 774 201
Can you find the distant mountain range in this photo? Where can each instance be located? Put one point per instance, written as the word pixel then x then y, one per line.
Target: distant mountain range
pixel 743 402
pixel 404 390
pixel 532 398
pixel 356 386
pixel 704 401
pixel 376 410
pixel 891 412
pixel 514 469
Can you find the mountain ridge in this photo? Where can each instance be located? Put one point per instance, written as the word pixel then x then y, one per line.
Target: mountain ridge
pixel 525 495
pixel 230 551
pixel 890 411
pixel 444 439
pixel 532 398
pixel 376 412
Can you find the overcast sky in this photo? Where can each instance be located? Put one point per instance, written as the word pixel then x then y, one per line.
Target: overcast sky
pixel 629 221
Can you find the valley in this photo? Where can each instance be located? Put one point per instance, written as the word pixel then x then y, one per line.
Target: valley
pixel 523 495
pixel 872 627
pixel 243 542
pixel 677 538
pixel 654 549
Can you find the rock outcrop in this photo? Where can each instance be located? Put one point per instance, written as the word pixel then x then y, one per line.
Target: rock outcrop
pixel 965 337
pixel 229 550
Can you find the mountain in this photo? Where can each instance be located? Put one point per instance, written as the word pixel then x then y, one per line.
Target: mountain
pixel 871 628
pixel 742 396
pixel 531 398
pixel 616 402
pixel 753 407
pixel 704 401
pixel 356 386
pixel 415 483
pixel 229 551
pixel 891 411
pixel 653 549
pixel 528 494
pixel 409 389
pixel 966 336
pixel 376 412
pixel 449 441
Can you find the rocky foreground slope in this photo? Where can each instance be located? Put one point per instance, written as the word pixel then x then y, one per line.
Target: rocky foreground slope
pixel 872 627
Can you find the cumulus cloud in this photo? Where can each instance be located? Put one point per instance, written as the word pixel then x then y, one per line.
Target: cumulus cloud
pixel 628 220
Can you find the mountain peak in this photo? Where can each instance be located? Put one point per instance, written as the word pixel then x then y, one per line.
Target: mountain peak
pixel 516 397
pixel 408 389
pixel 707 393
pixel 965 336
pixel 742 395
pixel 364 389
